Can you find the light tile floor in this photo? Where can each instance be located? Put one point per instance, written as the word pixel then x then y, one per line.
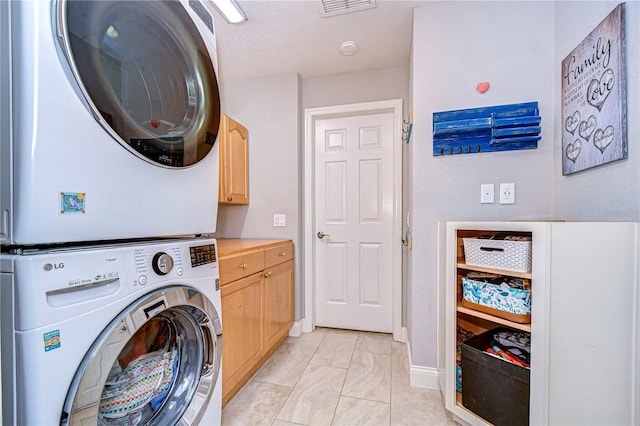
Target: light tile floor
pixel 336 377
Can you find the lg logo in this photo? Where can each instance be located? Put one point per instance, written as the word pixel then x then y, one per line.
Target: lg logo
pixel 49 266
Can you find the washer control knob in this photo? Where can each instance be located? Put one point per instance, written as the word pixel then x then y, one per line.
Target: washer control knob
pixel 142 279
pixel 162 263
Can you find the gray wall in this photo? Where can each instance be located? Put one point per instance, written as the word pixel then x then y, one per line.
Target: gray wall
pixel 518 48
pixel 610 192
pixel 272 108
pixel 455 46
pixel 354 87
pixel 268 108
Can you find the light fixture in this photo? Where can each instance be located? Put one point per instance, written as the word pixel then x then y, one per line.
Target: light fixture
pixel 348 48
pixel 230 11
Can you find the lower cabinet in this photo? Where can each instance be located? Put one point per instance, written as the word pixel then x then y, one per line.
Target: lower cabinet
pixel 241 329
pixel 257 305
pixel 583 324
pixel 278 303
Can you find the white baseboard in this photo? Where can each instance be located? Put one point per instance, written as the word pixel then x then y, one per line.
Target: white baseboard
pixel 297 329
pixel 422 377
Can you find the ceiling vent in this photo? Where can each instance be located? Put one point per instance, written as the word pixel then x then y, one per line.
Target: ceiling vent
pixel 339 7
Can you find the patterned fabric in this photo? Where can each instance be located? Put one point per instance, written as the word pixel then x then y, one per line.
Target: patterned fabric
pixel 501 297
pixel 145 378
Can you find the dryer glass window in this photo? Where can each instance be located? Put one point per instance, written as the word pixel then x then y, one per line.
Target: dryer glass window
pixel 145 70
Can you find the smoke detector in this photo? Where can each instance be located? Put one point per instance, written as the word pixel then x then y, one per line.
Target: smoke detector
pixel 348 48
pixel 339 7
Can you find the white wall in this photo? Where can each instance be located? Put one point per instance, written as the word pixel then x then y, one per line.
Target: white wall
pixel 268 107
pixel 455 46
pixel 610 192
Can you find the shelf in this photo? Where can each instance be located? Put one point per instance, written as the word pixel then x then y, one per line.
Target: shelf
pixel 463 265
pixel 492 318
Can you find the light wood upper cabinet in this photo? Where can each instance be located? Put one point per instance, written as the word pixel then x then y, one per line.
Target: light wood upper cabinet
pixel 234 162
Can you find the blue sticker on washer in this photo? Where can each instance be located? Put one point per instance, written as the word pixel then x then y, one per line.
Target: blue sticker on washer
pixel 51 340
pixel 72 202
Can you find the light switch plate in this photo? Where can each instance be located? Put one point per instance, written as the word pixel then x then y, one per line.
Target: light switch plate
pixel 279 219
pixel 486 193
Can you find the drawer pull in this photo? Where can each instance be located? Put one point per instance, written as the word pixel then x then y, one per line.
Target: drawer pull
pixel 244 266
pixel 229 198
pixel 282 254
pixel 267 274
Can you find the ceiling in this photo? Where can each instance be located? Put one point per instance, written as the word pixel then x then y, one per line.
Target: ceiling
pixel 283 36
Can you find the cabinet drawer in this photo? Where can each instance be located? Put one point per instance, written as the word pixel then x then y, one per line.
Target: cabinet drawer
pixel 234 267
pixel 278 254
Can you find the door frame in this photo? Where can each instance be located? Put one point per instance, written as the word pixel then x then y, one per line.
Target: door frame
pixel 311 115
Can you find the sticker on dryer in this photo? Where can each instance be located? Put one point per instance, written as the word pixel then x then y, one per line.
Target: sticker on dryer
pixel 72 202
pixel 51 340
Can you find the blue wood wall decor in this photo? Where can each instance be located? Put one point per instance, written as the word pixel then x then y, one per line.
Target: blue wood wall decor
pixel 496 128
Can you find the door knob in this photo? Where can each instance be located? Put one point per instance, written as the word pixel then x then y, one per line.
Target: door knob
pixel 321 235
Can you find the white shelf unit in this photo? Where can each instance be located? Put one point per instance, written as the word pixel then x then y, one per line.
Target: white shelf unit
pixel 584 305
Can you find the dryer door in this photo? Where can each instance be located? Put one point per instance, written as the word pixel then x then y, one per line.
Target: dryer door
pixel 157 363
pixel 146 73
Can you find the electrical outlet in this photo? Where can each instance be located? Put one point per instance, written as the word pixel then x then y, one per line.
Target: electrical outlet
pixel 279 219
pixel 507 193
pixel 486 193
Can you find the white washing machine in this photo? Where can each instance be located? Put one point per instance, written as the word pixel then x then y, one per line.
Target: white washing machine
pixel 128 334
pixel 110 115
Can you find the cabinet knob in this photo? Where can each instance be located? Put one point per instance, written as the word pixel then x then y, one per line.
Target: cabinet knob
pixel 229 198
pixel 282 254
pixel 244 265
pixel 267 274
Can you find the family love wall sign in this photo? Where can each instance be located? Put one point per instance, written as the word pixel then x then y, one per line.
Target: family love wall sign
pixel 594 97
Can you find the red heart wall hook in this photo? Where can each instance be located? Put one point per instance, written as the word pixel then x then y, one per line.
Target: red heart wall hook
pixel 482 87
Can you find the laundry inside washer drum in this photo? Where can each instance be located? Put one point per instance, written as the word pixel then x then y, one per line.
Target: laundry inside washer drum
pixel 144 374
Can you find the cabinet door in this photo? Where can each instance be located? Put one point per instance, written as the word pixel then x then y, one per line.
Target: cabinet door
pixel 234 162
pixel 241 329
pixel 278 302
pixel 592 323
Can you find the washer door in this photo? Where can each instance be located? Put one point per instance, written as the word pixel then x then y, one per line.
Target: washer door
pixel 144 70
pixel 155 364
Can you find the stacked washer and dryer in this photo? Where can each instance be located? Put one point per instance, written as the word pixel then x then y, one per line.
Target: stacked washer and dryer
pixel 110 288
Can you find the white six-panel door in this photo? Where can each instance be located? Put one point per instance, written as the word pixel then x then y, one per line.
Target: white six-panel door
pixel 354 209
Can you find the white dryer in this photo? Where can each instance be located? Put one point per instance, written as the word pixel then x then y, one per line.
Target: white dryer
pixel 110 115
pixel 126 335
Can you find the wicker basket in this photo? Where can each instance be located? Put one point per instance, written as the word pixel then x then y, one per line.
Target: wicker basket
pixel 499 254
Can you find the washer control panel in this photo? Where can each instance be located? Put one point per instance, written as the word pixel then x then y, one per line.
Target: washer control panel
pixel 162 263
pixel 201 255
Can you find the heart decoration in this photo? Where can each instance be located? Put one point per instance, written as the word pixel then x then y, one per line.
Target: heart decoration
pixel 599 90
pixel 573 150
pixel 482 87
pixel 587 127
pixel 602 138
pixel 572 122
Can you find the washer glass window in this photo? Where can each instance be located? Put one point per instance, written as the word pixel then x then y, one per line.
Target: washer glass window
pixel 155 364
pixel 146 72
